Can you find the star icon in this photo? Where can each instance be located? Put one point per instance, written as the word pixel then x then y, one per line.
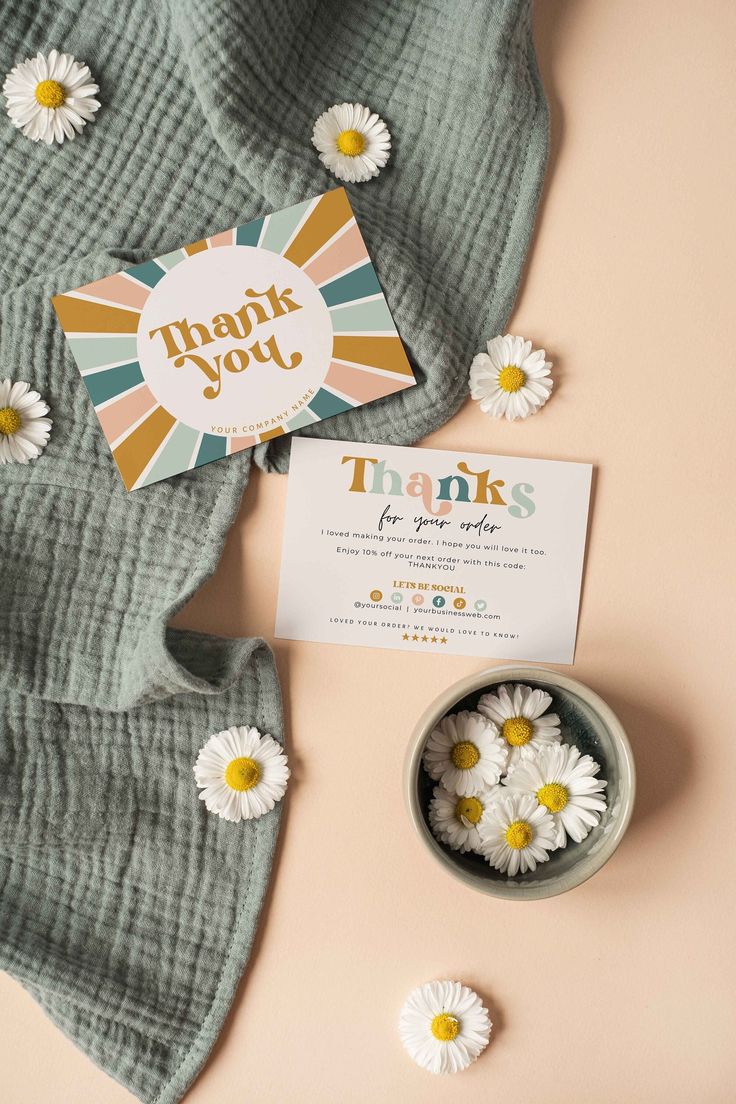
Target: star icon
pixel 443 640
pixel 425 639
pixel 434 639
pixel 415 637
pixel 405 636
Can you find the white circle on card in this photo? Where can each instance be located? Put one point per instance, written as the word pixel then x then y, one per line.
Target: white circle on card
pixel 235 340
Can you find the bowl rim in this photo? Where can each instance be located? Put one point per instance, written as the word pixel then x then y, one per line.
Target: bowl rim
pixel 491 676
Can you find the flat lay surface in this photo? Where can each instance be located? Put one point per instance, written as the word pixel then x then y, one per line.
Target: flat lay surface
pixel 621 989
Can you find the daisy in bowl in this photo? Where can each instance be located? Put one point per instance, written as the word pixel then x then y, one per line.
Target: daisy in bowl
pixel 564 782
pixel 241 773
pixel 24 427
pixel 516 833
pixel 50 98
pixel 465 753
pixel 352 141
pixel 520 715
pixel 454 820
pixel 510 380
pixel 444 1026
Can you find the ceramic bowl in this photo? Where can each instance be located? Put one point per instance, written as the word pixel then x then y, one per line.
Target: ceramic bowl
pixel 587 722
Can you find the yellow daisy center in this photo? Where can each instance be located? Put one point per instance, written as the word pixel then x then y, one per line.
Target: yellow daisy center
pixel 351 143
pixel 50 93
pixel 519 835
pixel 469 808
pixel 554 795
pixel 242 774
pixel 511 378
pixel 517 731
pixel 464 755
pixel 445 1027
pixel 9 421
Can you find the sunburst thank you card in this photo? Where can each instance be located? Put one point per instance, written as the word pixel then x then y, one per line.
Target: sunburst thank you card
pixel 234 339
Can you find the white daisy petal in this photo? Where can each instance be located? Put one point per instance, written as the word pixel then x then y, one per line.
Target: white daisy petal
pixel 50 99
pixel 514 836
pixel 352 142
pixel 454 819
pixel 515 710
pixel 570 790
pixel 465 753
pixel 515 387
pixel 241 773
pixel 444 1026
pixel 24 429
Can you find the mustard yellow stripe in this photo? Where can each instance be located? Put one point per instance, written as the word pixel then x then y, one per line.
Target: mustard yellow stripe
pixel 196 247
pixel 332 212
pixel 79 316
pixel 377 352
pixel 136 450
pixel 278 432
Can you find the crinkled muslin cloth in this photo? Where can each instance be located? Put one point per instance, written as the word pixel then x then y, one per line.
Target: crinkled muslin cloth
pixel 126 909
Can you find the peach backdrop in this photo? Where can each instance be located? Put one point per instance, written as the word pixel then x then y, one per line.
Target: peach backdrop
pixel 623 989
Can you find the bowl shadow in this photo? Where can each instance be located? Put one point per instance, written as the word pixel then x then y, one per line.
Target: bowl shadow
pixel 662 747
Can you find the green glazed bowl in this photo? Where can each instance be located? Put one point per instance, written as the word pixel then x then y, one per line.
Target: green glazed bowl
pixel 587 722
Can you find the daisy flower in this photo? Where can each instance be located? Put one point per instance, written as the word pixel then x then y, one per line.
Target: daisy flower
pixel 353 142
pixel 50 98
pixel 565 783
pixel 520 714
pixel 444 1026
pixel 24 429
pixel 465 753
pixel 454 820
pixel 510 380
pixel 241 773
pixel 516 833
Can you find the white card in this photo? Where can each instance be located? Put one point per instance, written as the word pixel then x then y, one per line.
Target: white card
pixel 432 551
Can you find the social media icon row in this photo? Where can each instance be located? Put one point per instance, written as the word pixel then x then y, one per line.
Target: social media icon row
pixel 438 601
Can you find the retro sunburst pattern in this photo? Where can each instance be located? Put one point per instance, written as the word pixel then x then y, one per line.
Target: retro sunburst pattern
pixel 321 237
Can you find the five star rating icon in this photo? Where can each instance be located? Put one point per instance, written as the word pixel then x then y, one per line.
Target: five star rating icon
pixel 424 639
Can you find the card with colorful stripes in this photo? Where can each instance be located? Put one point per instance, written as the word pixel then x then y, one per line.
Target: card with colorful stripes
pixel 235 339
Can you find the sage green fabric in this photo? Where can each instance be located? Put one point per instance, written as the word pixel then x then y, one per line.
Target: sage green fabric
pixel 126 909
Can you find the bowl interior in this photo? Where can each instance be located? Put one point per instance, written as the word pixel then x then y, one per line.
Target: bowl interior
pixel 584 726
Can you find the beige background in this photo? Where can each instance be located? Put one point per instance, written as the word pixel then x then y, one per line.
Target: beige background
pixel 623 989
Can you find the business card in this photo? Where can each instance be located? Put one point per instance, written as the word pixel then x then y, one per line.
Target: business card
pixel 233 340
pixel 432 551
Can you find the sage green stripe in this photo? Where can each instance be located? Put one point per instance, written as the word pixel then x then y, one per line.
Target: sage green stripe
pixel 362 317
pixel 175 456
pixel 302 419
pixel 100 352
pixel 171 260
pixel 282 225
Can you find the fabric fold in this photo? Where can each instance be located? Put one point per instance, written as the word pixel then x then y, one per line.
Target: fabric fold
pixel 126 909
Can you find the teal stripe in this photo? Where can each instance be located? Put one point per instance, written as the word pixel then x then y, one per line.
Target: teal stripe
pixel 373 315
pixel 114 381
pixel 148 273
pixel 171 260
pixel 326 405
pixel 281 225
pixel 250 233
pixel 355 285
pixel 212 448
pixel 175 456
pixel 100 352
pixel 301 420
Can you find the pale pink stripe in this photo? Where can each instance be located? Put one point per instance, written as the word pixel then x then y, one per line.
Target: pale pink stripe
pixel 237 444
pixel 225 238
pixel 363 386
pixel 344 253
pixel 118 416
pixel 116 289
